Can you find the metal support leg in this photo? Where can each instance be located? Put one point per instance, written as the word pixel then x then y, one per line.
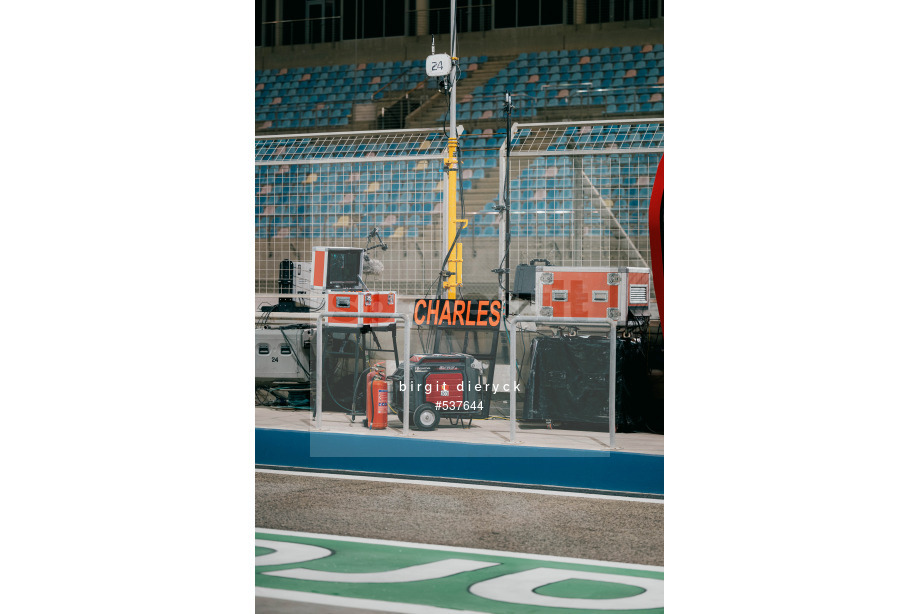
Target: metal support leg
pixel 318 389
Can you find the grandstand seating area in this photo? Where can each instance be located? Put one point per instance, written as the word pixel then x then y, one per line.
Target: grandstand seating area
pixel 542 196
pixel 621 80
pixel 400 197
pixel 322 96
pixel 291 201
pixel 403 197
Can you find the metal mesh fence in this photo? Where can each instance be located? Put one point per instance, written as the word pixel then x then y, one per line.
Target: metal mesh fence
pixel 578 196
pixel 333 189
pixel 579 192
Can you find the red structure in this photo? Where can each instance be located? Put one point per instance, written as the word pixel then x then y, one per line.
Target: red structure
pixel 656 236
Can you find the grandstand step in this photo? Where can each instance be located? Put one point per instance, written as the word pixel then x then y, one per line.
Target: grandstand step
pixel 429 114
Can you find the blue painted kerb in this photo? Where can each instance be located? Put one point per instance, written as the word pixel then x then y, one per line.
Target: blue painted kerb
pixel 610 471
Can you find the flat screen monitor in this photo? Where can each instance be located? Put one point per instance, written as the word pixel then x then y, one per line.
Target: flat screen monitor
pixel 344 267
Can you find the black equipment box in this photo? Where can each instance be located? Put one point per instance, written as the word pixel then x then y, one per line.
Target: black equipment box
pixel 569 381
pixel 439 385
pixel 525 281
pixel 345 357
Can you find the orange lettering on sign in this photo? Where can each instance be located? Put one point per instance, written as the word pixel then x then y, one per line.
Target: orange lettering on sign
pixel 481 311
pixel 458 312
pixel 469 312
pixel 459 308
pixel 445 313
pixel 495 311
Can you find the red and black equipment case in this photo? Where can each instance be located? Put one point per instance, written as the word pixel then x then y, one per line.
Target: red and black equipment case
pixel 592 292
pixel 448 385
pixel 355 303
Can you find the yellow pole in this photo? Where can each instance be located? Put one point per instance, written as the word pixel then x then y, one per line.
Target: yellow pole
pixel 455 258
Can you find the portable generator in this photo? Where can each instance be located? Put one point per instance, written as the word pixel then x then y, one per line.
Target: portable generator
pixel 448 385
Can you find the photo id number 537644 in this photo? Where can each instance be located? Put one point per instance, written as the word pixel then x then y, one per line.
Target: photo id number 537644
pixel 459 405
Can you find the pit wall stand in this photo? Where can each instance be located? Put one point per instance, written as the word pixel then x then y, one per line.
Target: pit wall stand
pixel 512 361
pixel 407 327
pixel 361 348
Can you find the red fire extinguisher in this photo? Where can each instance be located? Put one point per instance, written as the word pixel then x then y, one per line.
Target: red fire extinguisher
pixel 376 397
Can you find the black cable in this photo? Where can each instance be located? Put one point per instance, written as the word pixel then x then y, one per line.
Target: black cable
pixel 507 107
pixel 426 346
pixel 354 393
pixel 266 314
pixel 447 86
pixel 430 286
pixel 294 351
pixel 447 257
pixel 460 176
pixel 262 402
pixel 421 341
pixel 332 395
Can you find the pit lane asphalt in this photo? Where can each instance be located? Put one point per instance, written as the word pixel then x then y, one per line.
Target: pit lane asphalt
pixel 623 531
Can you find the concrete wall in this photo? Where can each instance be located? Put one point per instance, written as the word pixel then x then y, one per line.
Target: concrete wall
pixel 505 41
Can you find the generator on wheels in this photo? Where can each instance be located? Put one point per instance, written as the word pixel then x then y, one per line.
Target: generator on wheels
pixel 438 385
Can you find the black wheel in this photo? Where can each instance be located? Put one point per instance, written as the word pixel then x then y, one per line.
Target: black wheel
pixel 426 417
pixel 364 422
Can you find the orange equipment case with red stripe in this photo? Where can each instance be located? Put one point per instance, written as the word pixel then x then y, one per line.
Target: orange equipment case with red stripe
pixel 361 302
pixel 591 292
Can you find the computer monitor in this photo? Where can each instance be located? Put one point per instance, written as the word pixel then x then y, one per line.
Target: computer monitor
pixel 344 268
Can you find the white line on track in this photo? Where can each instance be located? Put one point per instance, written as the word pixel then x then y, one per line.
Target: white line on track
pixel 364 604
pixel 516 555
pixel 428 482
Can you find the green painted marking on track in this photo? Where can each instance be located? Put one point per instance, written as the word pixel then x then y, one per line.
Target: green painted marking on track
pixel 588 589
pixel 454 591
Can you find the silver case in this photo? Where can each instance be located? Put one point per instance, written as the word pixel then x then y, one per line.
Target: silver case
pixel 278 367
